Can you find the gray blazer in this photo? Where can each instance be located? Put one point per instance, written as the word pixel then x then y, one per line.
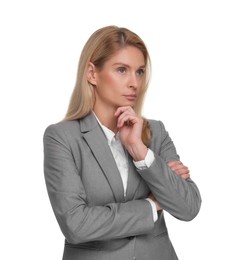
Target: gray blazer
pixel 86 194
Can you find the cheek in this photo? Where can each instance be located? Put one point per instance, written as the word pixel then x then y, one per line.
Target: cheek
pixel 110 81
pixel 104 79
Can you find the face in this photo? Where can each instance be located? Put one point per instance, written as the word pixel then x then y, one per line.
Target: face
pixel 119 81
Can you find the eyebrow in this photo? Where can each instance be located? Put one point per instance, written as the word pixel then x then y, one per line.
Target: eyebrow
pixel 125 65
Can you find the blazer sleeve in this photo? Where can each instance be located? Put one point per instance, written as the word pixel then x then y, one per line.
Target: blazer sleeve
pixel 179 197
pixel 78 222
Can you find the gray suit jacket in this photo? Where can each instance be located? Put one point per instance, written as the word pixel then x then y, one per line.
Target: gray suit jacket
pixel 86 193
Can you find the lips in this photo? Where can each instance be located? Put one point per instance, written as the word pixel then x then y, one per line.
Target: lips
pixel 131 97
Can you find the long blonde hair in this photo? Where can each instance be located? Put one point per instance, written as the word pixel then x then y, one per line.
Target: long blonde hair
pixel 99 48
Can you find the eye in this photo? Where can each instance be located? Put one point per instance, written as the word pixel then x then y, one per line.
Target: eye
pixel 140 72
pixel 121 70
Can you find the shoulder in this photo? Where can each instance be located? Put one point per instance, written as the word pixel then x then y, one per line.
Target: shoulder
pixel 161 142
pixel 62 129
pixel 157 127
pixel 158 133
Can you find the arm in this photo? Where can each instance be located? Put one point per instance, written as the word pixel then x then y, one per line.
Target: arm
pixel 173 190
pixel 78 222
pixel 175 193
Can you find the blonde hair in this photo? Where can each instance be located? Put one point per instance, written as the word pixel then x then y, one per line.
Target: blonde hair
pixel 99 48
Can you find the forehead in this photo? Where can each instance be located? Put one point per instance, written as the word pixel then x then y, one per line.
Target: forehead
pixel 129 55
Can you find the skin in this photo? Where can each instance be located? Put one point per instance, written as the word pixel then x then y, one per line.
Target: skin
pixel 117 85
pixel 120 77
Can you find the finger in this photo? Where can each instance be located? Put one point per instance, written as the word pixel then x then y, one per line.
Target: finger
pixel 177 167
pixel 180 168
pixel 128 120
pixel 173 163
pixel 182 171
pixel 121 110
pixel 124 114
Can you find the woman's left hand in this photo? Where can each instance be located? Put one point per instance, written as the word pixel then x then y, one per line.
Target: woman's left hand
pixel 130 128
pixel 180 169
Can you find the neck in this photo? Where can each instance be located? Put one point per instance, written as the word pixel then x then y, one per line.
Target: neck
pixel 106 117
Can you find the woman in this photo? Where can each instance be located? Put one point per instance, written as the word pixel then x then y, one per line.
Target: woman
pixel 110 172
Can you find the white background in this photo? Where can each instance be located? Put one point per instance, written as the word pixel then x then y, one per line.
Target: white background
pixel 198 51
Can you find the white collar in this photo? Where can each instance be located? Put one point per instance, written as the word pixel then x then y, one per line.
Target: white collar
pixel 110 135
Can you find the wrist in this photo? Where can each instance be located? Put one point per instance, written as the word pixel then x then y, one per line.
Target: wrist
pixel 146 163
pixel 138 151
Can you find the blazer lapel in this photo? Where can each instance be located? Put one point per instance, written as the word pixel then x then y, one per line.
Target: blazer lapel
pixel 133 180
pixel 97 142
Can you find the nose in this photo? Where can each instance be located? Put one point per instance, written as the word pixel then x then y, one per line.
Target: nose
pixel 133 81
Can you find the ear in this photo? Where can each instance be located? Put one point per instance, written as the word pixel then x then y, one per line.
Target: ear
pixel 91 71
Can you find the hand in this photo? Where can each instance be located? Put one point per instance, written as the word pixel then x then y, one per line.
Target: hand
pixel 158 207
pixel 130 128
pixel 180 169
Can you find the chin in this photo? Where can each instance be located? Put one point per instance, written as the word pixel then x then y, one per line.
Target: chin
pixel 130 104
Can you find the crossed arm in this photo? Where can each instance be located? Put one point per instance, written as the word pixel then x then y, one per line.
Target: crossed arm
pixel 180 197
pixel 180 169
